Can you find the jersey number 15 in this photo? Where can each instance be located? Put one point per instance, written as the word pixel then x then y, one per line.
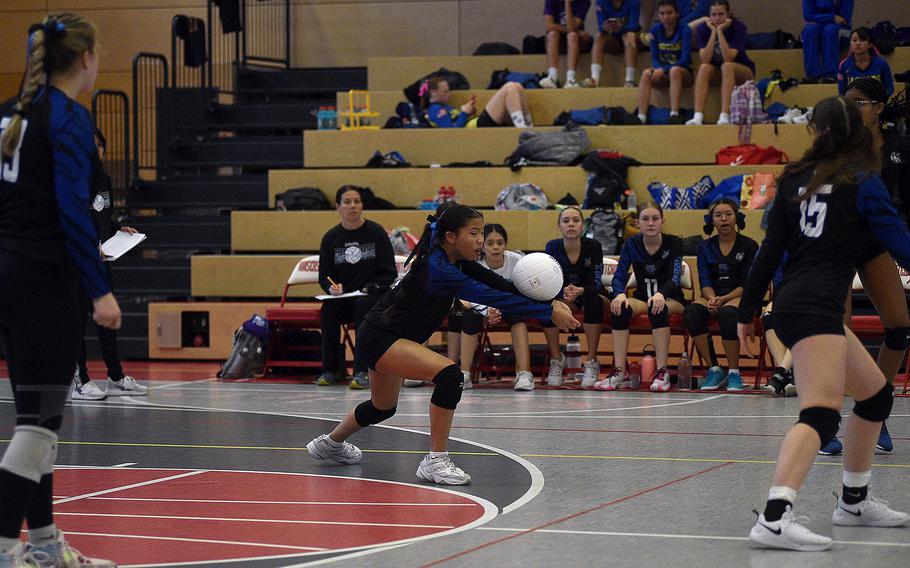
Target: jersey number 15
pixel 812 215
pixel 10 170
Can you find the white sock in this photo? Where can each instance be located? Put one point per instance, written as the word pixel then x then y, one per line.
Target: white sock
pixel 528 120
pixel 435 455
pixel 518 119
pixel 630 73
pixel 333 443
pixel 553 73
pixel 7 544
pixel 728 370
pixel 781 492
pixel 595 72
pixel 674 113
pixel 42 535
pixel 857 478
pixel 643 118
pixel 570 75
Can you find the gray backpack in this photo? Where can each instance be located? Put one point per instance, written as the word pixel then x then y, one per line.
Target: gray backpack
pixel 521 197
pixel 549 148
pixel 247 357
pixel 605 227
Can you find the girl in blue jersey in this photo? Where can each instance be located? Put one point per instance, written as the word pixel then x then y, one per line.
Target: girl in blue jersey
pixel 440 270
pixel 508 107
pixel 656 260
pixel 863 61
pixel 671 55
pixel 48 244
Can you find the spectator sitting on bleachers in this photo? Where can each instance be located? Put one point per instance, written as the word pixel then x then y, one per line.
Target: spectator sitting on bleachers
pixel 723 263
pixel 656 260
pixel 502 262
pixel 355 255
pixel 581 260
pixel 617 32
pixel 824 21
pixel 565 30
pixel 671 55
pixel 863 61
pixel 722 51
pixel 508 106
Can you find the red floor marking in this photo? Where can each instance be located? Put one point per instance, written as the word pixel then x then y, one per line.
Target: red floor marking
pixel 578 514
pixel 268 526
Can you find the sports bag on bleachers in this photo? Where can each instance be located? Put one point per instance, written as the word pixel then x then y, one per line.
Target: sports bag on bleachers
pixel 521 197
pixel 746 109
pixel 605 226
pixel 247 357
pixel 496 48
pixel 500 77
pixel 303 199
pixel 549 148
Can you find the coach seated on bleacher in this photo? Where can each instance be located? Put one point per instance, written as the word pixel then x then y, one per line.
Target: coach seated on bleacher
pixel 355 255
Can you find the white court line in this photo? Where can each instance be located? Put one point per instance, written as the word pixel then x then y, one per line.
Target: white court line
pixel 244 502
pixel 125 487
pixel 202 540
pixel 242 520
pixel 127 464
pixel 178 384
pixel 681 536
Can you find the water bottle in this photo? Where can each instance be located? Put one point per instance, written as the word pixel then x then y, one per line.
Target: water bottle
pixel 633 371
pixel 331 118
pixel 631 201
pixel 413 121
pixel 322 118
pixel 573 352
pixel 648 365
pixel 684 372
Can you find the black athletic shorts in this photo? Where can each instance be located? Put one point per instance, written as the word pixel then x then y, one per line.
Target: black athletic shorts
pixel 792 328
pixel 372 344
pixel 486 121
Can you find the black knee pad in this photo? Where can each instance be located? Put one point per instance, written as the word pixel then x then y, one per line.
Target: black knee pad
pixel 897 338
pixel 659 320
pixel 825 421
pixel 366 414
pixel 449 383
pixel 727 318
pixel 593 308
pixel 878 407
pixel 696 319
pixel 621 322
pixel 767 321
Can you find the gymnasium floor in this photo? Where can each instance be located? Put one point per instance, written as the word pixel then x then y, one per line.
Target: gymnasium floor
pixel 209 473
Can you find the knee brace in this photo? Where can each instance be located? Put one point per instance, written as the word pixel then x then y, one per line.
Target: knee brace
pixel 366 414
pixel 727 318
pixel 897 338
pixel 878 407
pixel 31 452
pixel 767 321
pixel 621 322
pixel 696 319
pixel 659 320
pixel 449 383
pixel 594 308
pixel 825 421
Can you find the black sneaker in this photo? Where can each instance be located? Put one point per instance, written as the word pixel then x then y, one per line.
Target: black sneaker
pixel 776 384
pixel 675 119
pixel 329 378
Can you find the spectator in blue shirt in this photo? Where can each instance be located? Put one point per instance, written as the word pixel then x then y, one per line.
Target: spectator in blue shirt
pixel 824 21
pixel 617 32
pixel 671 54
pixel 508 107
pixel 565 20
pixel 863 61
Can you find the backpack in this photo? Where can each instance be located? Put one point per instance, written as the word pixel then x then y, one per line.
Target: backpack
pixel 371 202
pixel 247 357
pixel 549 148
pixel 661 115
pixel 496 48
pixel 302 199
pixel 749 154
pixel 521 197
pixel 500 77
pixel 605 227
pixel 456 81
pixel 390 160
pixel 532 45
pixel 604 190
pixel 884 36
pixel 746 109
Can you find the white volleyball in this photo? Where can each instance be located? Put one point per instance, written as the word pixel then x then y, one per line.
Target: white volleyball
pixel 538 276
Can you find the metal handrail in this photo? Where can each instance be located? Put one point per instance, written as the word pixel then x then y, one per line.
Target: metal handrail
pixel 150 73
pixel 111 114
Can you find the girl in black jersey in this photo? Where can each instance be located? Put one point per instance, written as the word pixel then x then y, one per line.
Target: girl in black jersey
pixel 47 245
pixel 656 260
pixel 723 262
pixel 582 263
pixel 823 202
pixel 441 269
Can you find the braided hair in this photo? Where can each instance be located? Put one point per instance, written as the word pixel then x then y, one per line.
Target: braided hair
pixel 895 109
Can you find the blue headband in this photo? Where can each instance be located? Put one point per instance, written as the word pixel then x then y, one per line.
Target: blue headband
pixel 432 220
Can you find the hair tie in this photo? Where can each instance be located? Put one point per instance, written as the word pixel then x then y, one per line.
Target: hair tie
pixel 54 29
pixel 424 89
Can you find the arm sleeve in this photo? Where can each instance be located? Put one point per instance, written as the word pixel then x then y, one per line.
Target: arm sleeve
pixel 72 147
pixel 671 286
pixel 811 13
pixel 326 262
pixel 595 285
pixel 685 58
pixel 767 260
pixel 621 276
pixel 704 269
pixel 875 205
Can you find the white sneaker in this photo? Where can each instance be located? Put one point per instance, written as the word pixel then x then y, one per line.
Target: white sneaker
pixel 549 83
pixel 320 449
pixel 589 83
pixel 870 512
pixel 629 84
pixel 88 391
pixel 612 381
pixel 554 375
pixel 591 372
pixel 127 386
pixel 661 382
pixel 787 533
pixel 572 84
pixel 468 384
pixel 442 471
pixel 412 383
pixel 18 557
pixel 524 381
pixel 723 119
pixel 58 553
pixel 694 122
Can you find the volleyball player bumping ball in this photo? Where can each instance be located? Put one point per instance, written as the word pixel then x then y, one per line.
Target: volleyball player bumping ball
pixel 828 205
pixel 441 270
pixel 47 244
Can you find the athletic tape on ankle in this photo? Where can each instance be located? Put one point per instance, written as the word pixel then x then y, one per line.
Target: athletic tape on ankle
pixel 857 478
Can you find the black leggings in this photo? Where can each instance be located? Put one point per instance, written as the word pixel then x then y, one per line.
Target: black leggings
pixel 335 313
pixel 591 302
pixel 107 338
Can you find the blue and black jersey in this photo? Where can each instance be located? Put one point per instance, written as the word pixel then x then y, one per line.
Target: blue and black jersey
pixel 725 273
pixel 45 190
pixel 444 116
pixel 658 272
pixel 671 50
pixel 627 15
pixel 823 236
pixel 878 69
pixel 587 270
pixel 415 307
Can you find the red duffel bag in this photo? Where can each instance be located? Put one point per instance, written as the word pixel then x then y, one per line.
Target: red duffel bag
pixel 749 154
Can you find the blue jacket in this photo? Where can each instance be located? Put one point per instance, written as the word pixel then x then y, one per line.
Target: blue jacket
pixel 823 11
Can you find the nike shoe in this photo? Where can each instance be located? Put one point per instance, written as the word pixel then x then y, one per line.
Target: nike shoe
pixel 329 378
pixel 776 384
pixel 787 534
pixel 524 381
pixel 18 557
pixel 58 553
pixel 320 449
pixel 127 386
pixel 548 83
pixel 591 372
pixel 442 471
pixel 869 512
pixel 661 382
pixel 557 368
pixel 714 380
pixel 884 440
pixel 832 448
pixel 468 384
pixel 734 381
pixel 572 84
pixel 360 381
pixel 613 380
pixel 88 391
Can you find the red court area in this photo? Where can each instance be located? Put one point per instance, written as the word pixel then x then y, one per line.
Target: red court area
pixel 150 516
